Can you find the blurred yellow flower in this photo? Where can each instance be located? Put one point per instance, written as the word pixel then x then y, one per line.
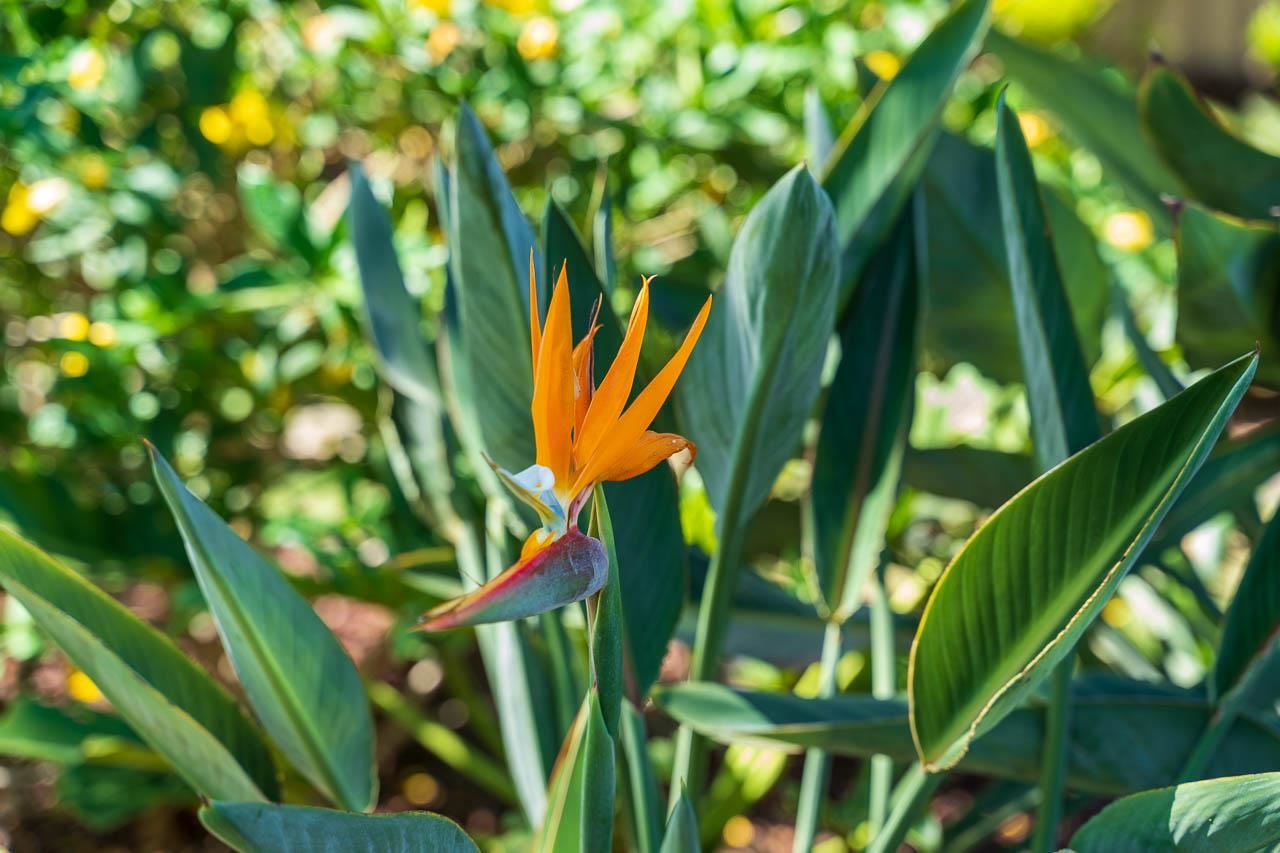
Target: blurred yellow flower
pixel 738 831
pixel 882 63
pixel 516 7
pixel 444 38
pixel 27 203
pixel 102 334
pixel 1046 22
pixel 86 69
pixel 1034 128
pixel 440 7
pixel 538 39
pixel 94 172
pixel 81 688
pixel 46 194
pixel 320 33
pixel 73 364
pixel 216 125
pixel 73 326
pixel 1129 230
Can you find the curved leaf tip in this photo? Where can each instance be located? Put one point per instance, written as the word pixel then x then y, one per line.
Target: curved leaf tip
pixel 568 570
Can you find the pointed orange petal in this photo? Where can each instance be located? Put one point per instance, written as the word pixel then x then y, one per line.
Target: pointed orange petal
pixel 631 427
pixel 583 377
pixel 611 396
pixel 652 448
pixel 553 386
pixel 535 328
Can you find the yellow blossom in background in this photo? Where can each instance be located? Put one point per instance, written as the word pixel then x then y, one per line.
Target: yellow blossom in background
pixel 440 7
pixel 248 120
pixel 86 70
pixel 94 172
pixel 516 7
pixel 26 204
pixel 1043 21
pixel 102 334
pixel 738 831
pixel 320 33
pixel 73 364
pixel 1129 230
pixel 73 326
pixel 250 110
pixel 443 39
pixel 81 688
pixel 538 39
pixel 882 63
pixel 1034 128
pixel 216 126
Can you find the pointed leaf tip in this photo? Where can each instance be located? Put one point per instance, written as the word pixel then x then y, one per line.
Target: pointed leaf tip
pixel 570 569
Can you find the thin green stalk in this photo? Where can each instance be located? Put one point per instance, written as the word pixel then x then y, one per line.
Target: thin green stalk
pixel 1219 724
pixel 641 789
pixel 1053 759
pixel 443 742
pixel 817 762
pixel 566 692
pixel 911 794
pixel 884 685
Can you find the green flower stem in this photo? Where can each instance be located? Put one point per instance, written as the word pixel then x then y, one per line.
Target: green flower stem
pixel 1053 759
pixel 817 763
pixel 909 797
pixel 884 685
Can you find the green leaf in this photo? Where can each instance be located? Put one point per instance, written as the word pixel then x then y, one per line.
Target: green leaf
pixel 34 730
pixel 1064 419
pixel 1219 169
pixel 1028 583
pixel 1094 112
pixel 877 160
pixel 1240 813
pixel 971 313
pixel 641 788
pixel 580 799
pixel 489 245
pixel 819 137
pixel 1253 620
pixel 1126 736
pixel 752 380
pixel 170 702
pixel 987 478
pixel 681 835
pixel 1228 284
pixel 304 688
pixel 865 420
pixel 606 628
pixel 260 828
pixel 274 210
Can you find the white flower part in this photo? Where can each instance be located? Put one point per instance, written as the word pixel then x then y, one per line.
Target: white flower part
pixel 536 479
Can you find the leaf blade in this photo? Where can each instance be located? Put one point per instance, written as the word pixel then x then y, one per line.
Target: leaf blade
pixel 263 828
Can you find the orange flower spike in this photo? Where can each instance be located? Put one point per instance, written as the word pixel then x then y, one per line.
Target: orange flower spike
pixel 584 360
pixel 610 398
pixel 535 328
pixel 553 405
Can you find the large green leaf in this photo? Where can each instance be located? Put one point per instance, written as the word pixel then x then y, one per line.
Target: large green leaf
pixel 170 702
pixel 681 834
pixel 1221 171
pixel 864 422
pixel 490 241
pixel 1253 620
pixel 304 688
pixel 874 166
pixel 1228 289
pixel 260 828
pixel 987 478
pixel 1240 814
pixel 1095 112
pixel 1126 736
pixel 1064 419
pixel 580 798
pixel 971 312
pixel 1029 582
pixel 32 729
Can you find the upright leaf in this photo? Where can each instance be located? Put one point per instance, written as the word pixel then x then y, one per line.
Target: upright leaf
pixel 682 835
pixel 642 801
pixel 1253 620
pixel 864 423
pixel 1228 286
pixel 299 680
pixel 1220 169
pixel 1095 112
pixel 877 160
pixel 606 628
pixel 819 138
pixel 1240 813
pixel 1063 417
pixel 261 828
pixel 580 799
pixel 987 478
pixel 170 702
pixel 1029 582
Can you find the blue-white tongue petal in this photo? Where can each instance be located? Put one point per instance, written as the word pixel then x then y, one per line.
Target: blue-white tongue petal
pixel 535 486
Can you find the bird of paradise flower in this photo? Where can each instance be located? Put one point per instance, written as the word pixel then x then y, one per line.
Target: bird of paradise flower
pixel 583 435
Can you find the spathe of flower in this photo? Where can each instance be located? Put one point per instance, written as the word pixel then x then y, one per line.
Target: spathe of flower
pixel 583 435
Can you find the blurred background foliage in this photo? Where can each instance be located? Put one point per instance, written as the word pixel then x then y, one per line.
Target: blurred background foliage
pixel 174 265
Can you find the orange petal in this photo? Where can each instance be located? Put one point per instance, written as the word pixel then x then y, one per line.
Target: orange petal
pixel 626 435
pixel 584 361
pixel 553 386
pixel 535 328
pixel 652 448
pixel 611 396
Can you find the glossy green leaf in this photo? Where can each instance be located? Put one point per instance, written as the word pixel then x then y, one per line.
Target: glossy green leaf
pixel 1239 813
pixel 1064 419
pixel 1228 283
pixel 1253 620
pixel 170 702
pixel 580 798
pixel 971 314
pixel 681 835
pixel 987 478
pixel 1221 170
pixel 1028 583
pixel 62 735
pixel 1126 736
pixel 607 629
pixel 641 787
pixel 261 828
pixel 1096 113
pixel 864 422
pixel 298 678
pixel 751 382
pixel 877 160
pixel 489 244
